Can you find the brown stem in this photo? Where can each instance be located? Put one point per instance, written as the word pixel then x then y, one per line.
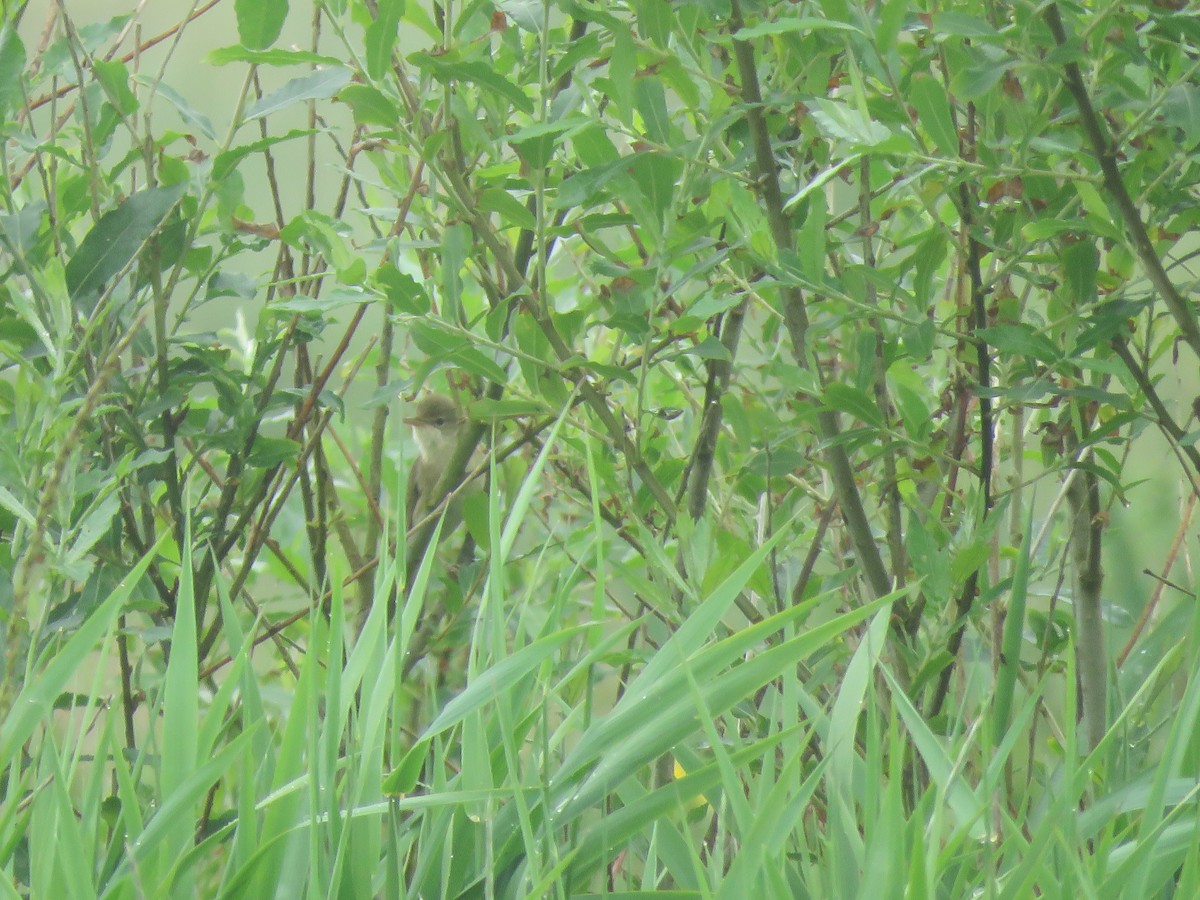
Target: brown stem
pixel 719 373
pixel 978 313
pixel 796 317
pixel 889 491
pixel 1106 155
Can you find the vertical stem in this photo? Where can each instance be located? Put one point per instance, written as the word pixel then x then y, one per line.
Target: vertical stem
pixel 795 315
pixel 1091 648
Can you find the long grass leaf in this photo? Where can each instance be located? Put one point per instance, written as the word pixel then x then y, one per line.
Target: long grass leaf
pixel 37 696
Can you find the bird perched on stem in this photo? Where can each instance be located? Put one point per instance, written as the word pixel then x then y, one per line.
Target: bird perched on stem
pixel 436 425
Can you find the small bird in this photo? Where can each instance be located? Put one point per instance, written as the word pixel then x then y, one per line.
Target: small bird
pixel 435 426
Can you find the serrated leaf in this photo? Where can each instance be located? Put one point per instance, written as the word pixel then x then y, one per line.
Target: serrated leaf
pixel 477 73
pixel 968 559
pixel 380 40
pixel 117 238
pixel 260 21
pixel 709 348
pixel 1080 262
pixel 268 452
pixel 321 231
pixel 511 210
pixel 975 80
pixel 449 347
pixel 1021 340
pixel 12 64
pixel 276 56
pixel 370 105
pixel 318 85
pixel 93 527
pixel 403 292
pixel 963 25
pixel 227 161
pixel 527 14
pixel 113 75
pixel 189 114
pixel 790 26
pixel 622 69
pixel 842 122
pixel 853 402
pixel 933 110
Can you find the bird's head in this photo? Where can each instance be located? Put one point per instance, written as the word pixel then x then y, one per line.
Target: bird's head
pixel 435 425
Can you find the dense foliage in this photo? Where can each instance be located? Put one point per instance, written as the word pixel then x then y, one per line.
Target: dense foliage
pixel 819 349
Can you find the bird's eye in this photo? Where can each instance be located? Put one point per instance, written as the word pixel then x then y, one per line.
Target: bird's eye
pixel 439 422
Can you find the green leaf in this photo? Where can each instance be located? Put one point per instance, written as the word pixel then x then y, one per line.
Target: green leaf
pixel 274 57
pixel 268 452
pixel 117 238
pixel 1080 260
pixel 381 37
pixel 968 811
pixel 622 70
pixel 1182 110
pixel 1021 340
pixel 854 402
pixel 527 14
pixel 842 122
pixel 260 22
pixel 537 142
pixel 39 693
pixel 973 81
pixel 655 20
pixel 658 713
pixel 652 106
pixel 226 162
pixel 447 346
pixel 113 75
pixel 1040 229
pixel 933 110
pixel 968 559
pixel 512 211
pixel 319 231
pixel 318 85
pixel 9 501
pixel 504 409
pixel 180 690
pixel 498 680
pixel 12 65
pixel 404 777
pixel 891 20
pixel 93 526
pixel 456 246
pixel 963 25
pixel 370 105
pixel 403 292
pixel 20 229
pixel 654 178
pixel 449 70
pixel 709 348
pixel 187 112
pixel 791 25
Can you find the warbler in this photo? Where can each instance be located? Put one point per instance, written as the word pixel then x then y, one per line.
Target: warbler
pixel 436 424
